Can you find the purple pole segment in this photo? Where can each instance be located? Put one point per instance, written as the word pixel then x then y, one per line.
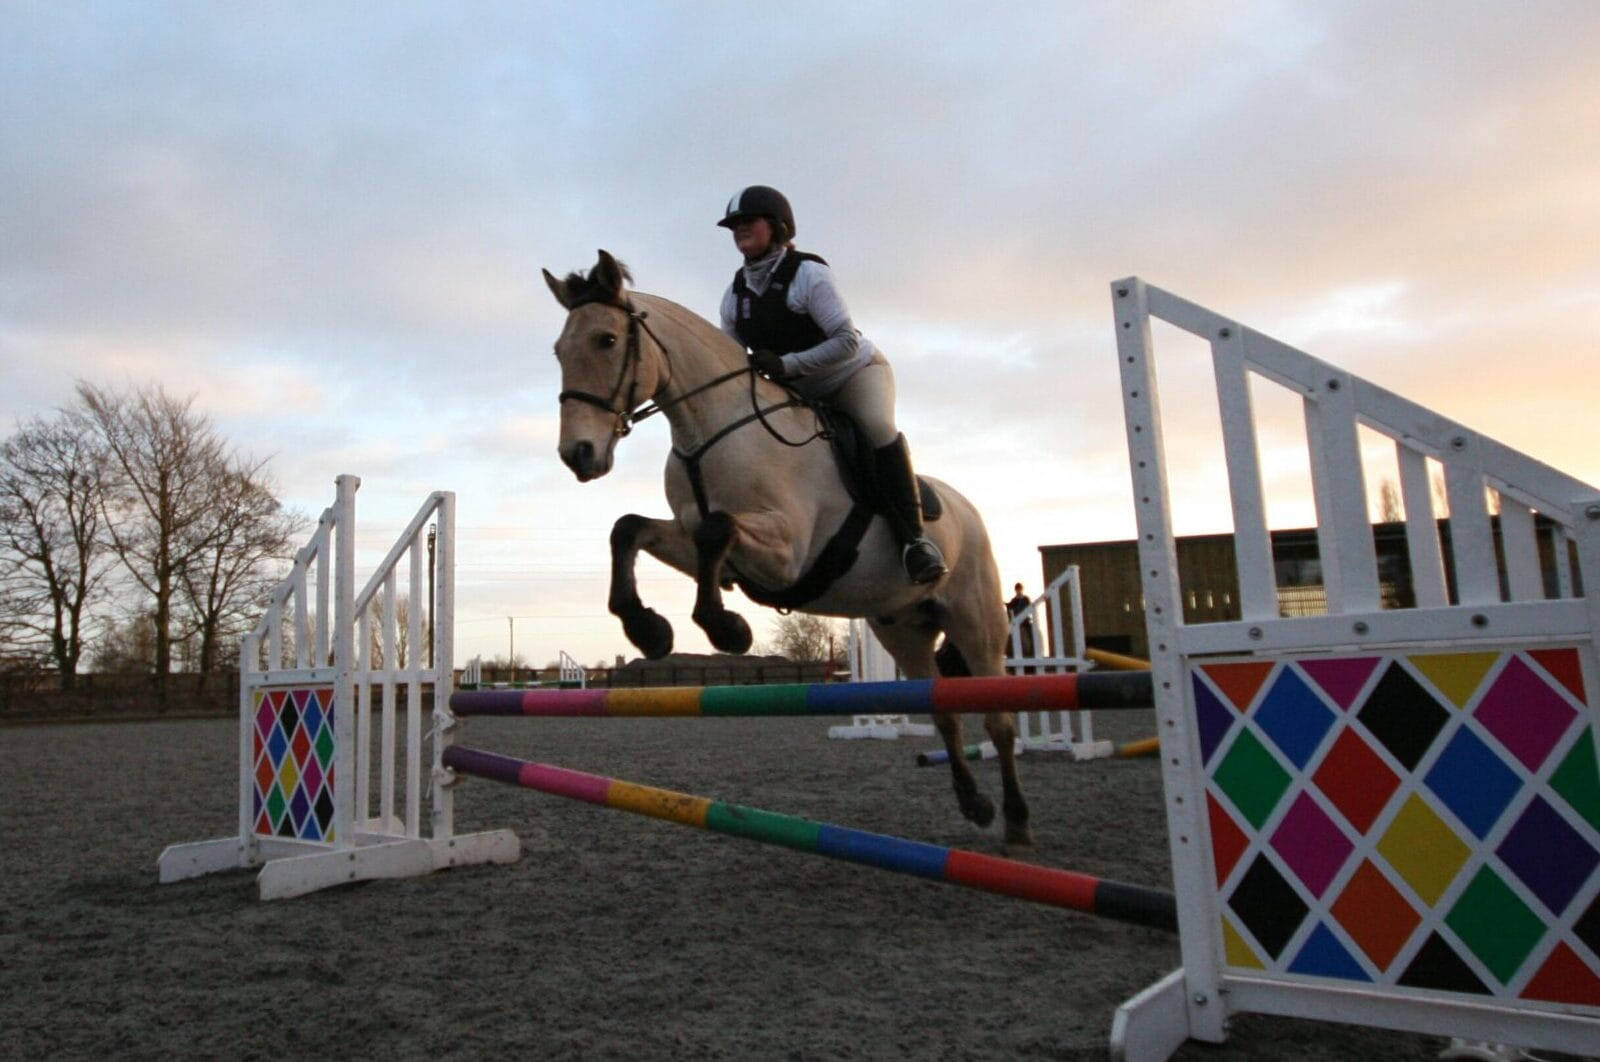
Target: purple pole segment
pixel 486 702
pixel 483 764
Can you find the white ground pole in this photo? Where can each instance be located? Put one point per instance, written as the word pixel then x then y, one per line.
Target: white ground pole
pixel 297 755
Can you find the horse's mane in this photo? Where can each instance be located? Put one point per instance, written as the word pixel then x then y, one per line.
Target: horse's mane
pixel 583 289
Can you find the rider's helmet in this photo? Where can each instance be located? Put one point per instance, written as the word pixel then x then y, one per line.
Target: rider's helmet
pixel 760 201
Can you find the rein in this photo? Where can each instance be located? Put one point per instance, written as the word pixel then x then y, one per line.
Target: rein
pixel 840 551
pixel 629 414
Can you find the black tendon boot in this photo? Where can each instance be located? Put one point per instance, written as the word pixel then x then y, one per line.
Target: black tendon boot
pixel 903 507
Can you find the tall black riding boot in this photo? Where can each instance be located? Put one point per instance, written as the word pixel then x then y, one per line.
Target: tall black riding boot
pixel 903 504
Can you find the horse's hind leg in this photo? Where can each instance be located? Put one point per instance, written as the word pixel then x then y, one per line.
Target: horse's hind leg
pixel 975 640
pixel 909 637
pixel 1002 728
pixel 664 540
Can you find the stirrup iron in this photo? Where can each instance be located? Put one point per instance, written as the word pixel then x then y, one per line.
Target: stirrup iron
pixel 931 565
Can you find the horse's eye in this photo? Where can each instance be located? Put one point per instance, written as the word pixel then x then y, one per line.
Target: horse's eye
pixel 605 341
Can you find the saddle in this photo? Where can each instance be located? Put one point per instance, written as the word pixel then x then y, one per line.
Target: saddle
pixel 857 468
pixel 853 454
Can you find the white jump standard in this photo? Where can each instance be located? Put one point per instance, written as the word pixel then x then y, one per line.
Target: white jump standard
pixel 307 814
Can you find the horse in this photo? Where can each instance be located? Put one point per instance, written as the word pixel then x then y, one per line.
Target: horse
pixel 757 497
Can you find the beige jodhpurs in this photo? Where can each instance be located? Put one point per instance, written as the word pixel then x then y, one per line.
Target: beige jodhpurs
pixel 868 396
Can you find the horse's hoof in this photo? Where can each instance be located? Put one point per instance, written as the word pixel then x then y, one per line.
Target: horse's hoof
pixel 1016 812
pixel 977 808
pixel 650 632
pixel 728 632
pixel 1019 835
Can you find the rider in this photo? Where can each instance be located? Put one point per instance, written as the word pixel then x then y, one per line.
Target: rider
pixel 785 308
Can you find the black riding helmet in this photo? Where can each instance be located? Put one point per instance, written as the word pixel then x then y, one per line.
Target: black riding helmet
pixel 760 201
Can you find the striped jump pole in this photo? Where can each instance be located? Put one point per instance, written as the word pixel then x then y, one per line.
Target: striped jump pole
pixel 1116 661
pixel 982 750
pixel 1088 691
pixel 1057 888
pixel 1150 746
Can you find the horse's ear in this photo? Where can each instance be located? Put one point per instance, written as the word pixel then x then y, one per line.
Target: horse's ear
pixel 610 274
pixel 558 289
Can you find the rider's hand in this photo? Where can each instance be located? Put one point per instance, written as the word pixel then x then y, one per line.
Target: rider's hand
pixel 768 364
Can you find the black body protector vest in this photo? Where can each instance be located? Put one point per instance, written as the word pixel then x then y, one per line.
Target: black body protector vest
pixel 765 322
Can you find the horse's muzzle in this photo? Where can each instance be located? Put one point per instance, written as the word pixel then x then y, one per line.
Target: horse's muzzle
pixel 585 461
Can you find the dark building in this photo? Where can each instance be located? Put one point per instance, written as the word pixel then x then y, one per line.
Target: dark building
pixel 1113 605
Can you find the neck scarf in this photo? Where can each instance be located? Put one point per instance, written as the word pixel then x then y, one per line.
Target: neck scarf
pixel 758 274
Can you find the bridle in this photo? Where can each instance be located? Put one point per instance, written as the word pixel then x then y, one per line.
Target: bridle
pixel 630 412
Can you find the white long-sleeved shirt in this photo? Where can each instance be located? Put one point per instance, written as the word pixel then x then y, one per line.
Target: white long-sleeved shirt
pixel 820 370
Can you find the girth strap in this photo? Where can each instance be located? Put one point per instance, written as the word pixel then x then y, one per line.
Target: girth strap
pixel 836 558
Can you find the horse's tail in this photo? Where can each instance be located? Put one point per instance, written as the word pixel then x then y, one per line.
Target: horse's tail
pixel 950 662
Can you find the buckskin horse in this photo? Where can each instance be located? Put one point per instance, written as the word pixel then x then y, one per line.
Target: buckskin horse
pixel 759 501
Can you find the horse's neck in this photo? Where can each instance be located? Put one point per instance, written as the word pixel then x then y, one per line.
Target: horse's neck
pixel 698 352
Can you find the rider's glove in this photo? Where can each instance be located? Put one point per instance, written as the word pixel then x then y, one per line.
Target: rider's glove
pixel 768 364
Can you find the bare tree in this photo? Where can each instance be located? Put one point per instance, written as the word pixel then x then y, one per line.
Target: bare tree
pixel 124 647
pixel 234 560
pixel 803 638
pixel 52 566
pixel 164 467
pixel 1441 496
pixel 1389 502
pixel 402 632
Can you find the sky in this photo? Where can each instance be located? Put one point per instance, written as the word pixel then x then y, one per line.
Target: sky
pixel 326 223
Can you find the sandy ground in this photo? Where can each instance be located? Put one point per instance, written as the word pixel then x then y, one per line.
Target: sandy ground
pixel 613 937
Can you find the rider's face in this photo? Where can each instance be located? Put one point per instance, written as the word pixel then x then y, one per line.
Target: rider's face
pixel 753 236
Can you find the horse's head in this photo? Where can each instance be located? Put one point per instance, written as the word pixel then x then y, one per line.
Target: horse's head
pixel 607 366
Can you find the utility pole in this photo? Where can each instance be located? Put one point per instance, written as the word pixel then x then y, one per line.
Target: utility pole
pixel 511 653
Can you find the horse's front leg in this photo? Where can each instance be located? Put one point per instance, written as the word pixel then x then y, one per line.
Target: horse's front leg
pixel 713 540
pixel 665 540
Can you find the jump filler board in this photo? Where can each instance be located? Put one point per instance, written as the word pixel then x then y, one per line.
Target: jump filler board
pixel 1426 820
pixel 293 744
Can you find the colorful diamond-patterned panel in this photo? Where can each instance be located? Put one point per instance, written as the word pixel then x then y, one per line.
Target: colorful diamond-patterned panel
pixel 293 762
pixel 1430 820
